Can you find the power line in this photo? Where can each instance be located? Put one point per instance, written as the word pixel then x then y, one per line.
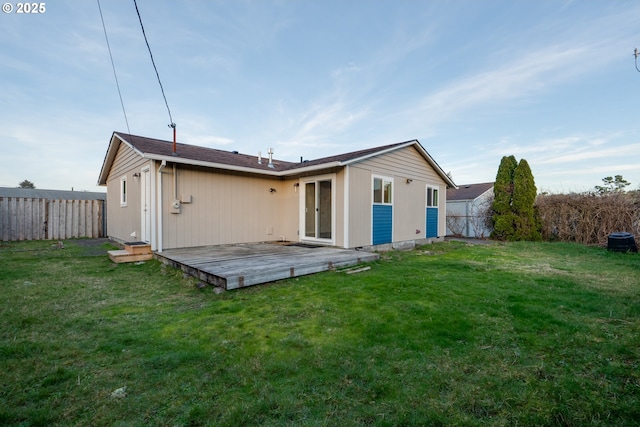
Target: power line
pixel 114 68
pixel 173 125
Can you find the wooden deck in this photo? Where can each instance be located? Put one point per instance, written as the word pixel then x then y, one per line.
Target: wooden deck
pixel 238 266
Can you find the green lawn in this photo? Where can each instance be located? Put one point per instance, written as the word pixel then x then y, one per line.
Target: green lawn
pixel 448 334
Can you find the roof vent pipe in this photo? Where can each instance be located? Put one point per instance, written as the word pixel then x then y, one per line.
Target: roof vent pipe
pixel 175 148
pixel 270 152
pixel 259 157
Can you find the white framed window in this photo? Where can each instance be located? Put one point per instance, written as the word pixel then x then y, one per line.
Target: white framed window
pixel 123 191
pixel 382 190
pixel 432 197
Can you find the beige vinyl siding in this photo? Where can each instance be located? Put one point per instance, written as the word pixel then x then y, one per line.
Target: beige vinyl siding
pixel 359 207
pixel 405 163
pixel 124 220
pixel 409 199
pixel 409 210
pixel 227 208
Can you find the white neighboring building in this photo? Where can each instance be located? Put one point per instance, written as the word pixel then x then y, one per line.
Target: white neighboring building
pixel 467 208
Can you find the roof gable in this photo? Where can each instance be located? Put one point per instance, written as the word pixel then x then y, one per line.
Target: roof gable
pixel 161 150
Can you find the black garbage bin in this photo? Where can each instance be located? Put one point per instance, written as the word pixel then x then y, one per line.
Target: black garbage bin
pixel 622 242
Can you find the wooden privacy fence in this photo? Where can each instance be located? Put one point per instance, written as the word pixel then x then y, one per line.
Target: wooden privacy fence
pixel 23 218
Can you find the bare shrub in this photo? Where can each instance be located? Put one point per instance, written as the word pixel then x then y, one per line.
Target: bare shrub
pixel 588 218
pixel 482 218
pixel 456 224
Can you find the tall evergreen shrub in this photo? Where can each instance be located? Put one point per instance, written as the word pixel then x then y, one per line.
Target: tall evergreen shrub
pixel 514 213
pixel 523 203
pixel 503 219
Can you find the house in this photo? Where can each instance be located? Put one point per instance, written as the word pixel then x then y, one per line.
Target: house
pixel 178 195
pixel 467 209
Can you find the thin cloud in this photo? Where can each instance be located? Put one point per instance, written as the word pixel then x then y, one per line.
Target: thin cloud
pixel 616 152
pixel 521 78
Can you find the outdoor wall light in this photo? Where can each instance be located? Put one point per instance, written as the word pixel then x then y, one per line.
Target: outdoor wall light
pixel 272 190
pixel 136 175
pixel 409 180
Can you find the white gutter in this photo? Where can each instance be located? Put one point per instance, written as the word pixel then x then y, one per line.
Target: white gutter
pixel 175 182
pixel 241 168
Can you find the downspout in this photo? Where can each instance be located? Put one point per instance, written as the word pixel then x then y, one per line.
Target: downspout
pixel 162 166
pixel 466 217
pixel 175 182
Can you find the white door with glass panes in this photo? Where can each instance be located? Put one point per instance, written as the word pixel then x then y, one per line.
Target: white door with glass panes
pixel 318 209
pixel 145 228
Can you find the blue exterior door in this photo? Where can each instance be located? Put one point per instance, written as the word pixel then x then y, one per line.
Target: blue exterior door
pixel 433 196
pixel 432 222
pixel 382 214
pixel 382 224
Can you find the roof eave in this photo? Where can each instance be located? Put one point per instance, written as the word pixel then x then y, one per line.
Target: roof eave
pixel 109 157
pixel 460 200
pixel 379 153
pixel 434 164
pixel 421 150
pixel 288 172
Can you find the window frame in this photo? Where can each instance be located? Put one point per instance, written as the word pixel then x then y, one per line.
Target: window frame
pixel 386 190
pixel 123 191
pixel 433 194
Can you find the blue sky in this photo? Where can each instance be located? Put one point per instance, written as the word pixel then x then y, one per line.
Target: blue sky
pixel 553 82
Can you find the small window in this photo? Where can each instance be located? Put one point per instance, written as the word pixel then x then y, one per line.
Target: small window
pixel 377 190
pixel 432 197
pixel 123 191
pixel 382 191
pixel 387 192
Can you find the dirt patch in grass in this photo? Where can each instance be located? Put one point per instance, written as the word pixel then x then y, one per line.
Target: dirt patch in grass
pixel 93 247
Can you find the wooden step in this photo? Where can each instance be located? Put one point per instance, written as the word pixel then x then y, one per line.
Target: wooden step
pixel 119 256
pixel 138 249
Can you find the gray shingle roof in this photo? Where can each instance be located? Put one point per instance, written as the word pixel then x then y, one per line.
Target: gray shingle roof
pixel 160 150
pixel 468 191
pixel 204 154
pixel 211 155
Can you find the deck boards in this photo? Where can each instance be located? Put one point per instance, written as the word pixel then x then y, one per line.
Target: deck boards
pixel 237 266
